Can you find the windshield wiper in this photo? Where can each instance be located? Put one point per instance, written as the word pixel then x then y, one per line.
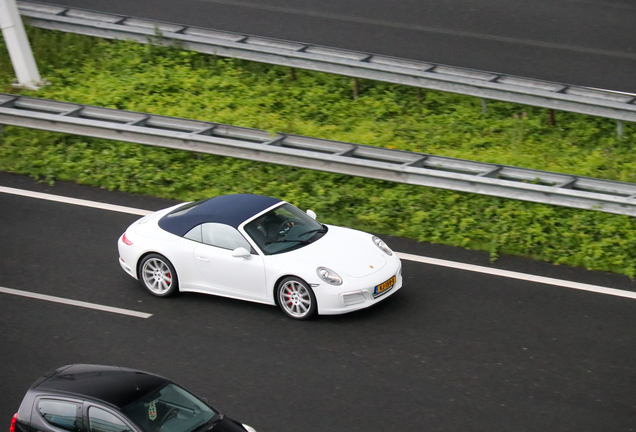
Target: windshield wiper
pixel 322 229
pixel 207 425
pixel 289 241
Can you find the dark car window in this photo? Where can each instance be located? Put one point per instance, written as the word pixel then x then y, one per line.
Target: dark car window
pixel 171 409
pixel 100 420
pixel 283 229
pixel 62 414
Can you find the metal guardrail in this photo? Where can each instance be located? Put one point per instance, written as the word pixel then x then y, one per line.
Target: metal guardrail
pixel 332 156
pixel 486 85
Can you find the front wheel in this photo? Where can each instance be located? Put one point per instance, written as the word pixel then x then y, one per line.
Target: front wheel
pixel 158 275
pixel 296 298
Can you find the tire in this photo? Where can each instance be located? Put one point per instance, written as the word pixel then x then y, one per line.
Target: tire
pixel 296 298
pixel 158 276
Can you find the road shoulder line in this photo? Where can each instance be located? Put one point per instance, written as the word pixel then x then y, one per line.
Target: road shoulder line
pixel 516 275
pixel 74 201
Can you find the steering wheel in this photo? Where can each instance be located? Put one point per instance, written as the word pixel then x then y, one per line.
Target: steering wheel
pixel 283 229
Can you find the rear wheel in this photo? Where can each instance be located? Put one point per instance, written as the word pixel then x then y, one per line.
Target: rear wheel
pixel 158 275
pixel 296 298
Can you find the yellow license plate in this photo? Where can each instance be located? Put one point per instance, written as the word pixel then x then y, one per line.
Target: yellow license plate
pixel 384 286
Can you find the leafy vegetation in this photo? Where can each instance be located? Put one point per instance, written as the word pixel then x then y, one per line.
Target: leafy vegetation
pixel 170 81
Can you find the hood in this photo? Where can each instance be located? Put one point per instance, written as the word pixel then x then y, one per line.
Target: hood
pixel 346 251
pixel 227 424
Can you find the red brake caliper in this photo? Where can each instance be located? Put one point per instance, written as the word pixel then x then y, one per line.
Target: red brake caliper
pixel 289 295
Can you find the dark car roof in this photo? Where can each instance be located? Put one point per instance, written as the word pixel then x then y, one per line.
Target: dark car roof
pixel 115 385
pixel 231 210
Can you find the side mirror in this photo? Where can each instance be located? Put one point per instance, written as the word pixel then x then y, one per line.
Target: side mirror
pixel 311 213
pixel 241 253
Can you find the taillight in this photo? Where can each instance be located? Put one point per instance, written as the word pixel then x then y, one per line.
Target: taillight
pixel 126 240
pixel 13 422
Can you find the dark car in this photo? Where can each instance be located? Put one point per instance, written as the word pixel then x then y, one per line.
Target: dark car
pixel 91 398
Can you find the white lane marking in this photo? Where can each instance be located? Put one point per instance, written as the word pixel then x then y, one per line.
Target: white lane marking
pixel 422 28
pixel 517 275
pixel 75 201
pixel 404 256
pixel 75 303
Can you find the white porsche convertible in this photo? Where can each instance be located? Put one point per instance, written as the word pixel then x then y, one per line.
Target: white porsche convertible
pixel 261 249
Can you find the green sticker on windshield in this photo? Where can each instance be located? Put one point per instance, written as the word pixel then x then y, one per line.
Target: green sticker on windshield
pixel 152 411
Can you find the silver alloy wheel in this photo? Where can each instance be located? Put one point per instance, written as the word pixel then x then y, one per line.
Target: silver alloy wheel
pixel 157 276
pixel 295 298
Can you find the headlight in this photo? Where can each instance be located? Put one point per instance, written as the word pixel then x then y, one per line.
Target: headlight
pixel 379 243
pixel 249 428
pixel 329 276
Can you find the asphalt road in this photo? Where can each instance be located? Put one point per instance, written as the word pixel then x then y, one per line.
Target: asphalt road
pixel 453 350
pixel 583 42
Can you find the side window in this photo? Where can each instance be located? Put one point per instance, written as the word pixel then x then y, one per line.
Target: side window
pixel 223 236
pixel 194 234
pixel 103 421
pixel 62 414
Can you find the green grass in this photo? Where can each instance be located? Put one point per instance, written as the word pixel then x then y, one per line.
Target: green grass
pixel 169 81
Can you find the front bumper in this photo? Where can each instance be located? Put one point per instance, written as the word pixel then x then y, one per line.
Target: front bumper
pixel 358 294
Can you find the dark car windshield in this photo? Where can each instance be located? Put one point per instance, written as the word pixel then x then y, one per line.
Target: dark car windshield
pixel 171 409
pixel 283 229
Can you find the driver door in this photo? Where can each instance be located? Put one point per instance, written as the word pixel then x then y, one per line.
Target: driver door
pixel 223 273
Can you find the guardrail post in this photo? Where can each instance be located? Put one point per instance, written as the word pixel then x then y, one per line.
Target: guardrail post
pixel 484 106
pixel 356 88
pixel 619 128
pixel 24 65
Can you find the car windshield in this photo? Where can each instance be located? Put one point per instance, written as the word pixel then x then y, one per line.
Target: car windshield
pixel 171 409
pixel 283 229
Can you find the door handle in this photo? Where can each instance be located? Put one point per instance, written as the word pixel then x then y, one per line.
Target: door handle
pixel 203 259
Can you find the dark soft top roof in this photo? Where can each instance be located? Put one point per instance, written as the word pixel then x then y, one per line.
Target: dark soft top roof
pixel 231 210
pixel 115 385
